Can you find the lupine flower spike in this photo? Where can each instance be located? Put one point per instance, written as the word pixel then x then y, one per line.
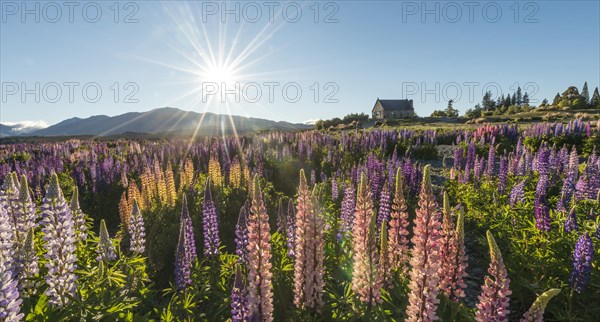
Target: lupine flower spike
pixel 495 292
pixel 106 250
pixel 425 263
pixel 308 264
pixel 137 232
pixel 10 303
pixel 364 275
pixel 78 216
pixel 582 263
pixel 536 312
pixel 209 224
pixel 398 233
pixel 186 249
pixel 260 288
pixel 59 234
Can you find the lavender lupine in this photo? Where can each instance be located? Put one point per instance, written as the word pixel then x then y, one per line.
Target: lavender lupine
pixel 260 288
pixel 364 248
pixel 59 236
pixel 398 233
pixel 308 264
pixel 571 221
pixel 137 232
pixel 347 210
pixel 383 213
pixel 502 174
pixel 425 264
pixel 185 253
pixel 241 235
pixel 209 224
pixel 105 250
pixel 334 188
pixel 78 216
pixel 452 253
pixel 495 292
pixel 517 194
pixel 28 264
pixel 26 205
pixel 536 312
pixel 568 187
pixel 10 303
pixel 582 263
pixel 239 298
pixel 491 162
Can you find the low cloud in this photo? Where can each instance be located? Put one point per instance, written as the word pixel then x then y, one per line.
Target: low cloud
pixel 26 126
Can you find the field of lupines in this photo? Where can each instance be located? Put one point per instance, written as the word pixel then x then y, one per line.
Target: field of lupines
pixel 494 223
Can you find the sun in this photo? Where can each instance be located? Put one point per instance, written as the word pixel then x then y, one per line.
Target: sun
pixel 219 74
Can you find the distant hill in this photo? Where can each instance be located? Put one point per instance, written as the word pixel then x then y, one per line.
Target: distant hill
pixel 164 120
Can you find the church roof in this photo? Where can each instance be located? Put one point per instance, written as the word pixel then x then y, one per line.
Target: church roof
pixel 396 105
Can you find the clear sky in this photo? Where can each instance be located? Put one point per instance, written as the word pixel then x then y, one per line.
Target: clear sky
pixel 341 55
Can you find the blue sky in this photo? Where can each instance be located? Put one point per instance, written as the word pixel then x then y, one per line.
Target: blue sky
pixel 340 55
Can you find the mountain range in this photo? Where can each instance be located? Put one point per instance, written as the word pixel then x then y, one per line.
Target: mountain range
pixel 160 121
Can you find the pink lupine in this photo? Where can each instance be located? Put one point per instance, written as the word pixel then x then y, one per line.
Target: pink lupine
pixel 536 312
pixel 397 232
pixel 425 263
pixel 308 264
pixel 260 288
pixel 364 275
pixel 454 260
pixel 494 298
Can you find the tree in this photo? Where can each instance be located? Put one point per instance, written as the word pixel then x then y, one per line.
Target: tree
pixel 526 99
pixel 595 102
pixel 519 99
pixel 487 102
pixel 474 112
pixel 451 111
pixel 556 100
pixel 500 102
pixel 544 102
pixel 513 99
pixel 507 101
pixel 585 94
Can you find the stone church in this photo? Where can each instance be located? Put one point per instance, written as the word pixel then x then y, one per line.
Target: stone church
pixel 393 109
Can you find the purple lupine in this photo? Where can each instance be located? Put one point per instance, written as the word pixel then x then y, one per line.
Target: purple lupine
pixel 241 234
pixel 239 298
pixel 10 303
pixel 209 224
pixel 502 174
pixel 571 222
pixel 491 162
pixel 384 210
pixel 347 211
pixel 517 194
pixel 568 187
pixel 582 263
pixel 59 234
pixel 186 249
pixel 136 229
pixel 334 189
pixel 542 212
pixel 78 216
pixel 105 250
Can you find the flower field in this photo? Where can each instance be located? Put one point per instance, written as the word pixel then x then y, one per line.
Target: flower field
pixel 488 223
